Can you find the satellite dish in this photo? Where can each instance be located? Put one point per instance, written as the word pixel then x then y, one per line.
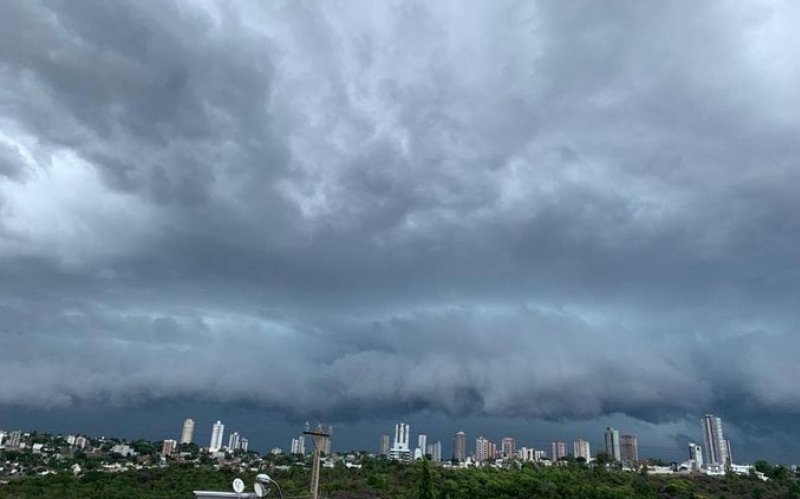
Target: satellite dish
pixel 238 486
pixel 261 490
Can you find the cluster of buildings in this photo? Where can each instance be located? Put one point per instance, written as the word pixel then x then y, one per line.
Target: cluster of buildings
pixel 215 445
pixel 401 450
pixel 621 448
pixel 714 458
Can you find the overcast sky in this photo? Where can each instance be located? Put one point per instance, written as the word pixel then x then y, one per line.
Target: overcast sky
pixel 519 216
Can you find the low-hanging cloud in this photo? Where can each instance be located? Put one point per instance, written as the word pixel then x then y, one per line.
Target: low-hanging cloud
pixel 517 209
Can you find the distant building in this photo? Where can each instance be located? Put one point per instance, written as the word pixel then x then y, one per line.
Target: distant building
pixel 326 446
pixel 509 447
pixel 716 450
pixel 460 447
pixel 400 449
pixel 244 444
pixel 730 451
pixel 14 439
pixel 629 448
pixel 383 447
pixel 168 447
pixel 696 456
pixel 2 437
pixel 81 442
pixel 299 445
pixel 527 454
pixel 187 432
pixel 435 451
pixel 483 449
pixel 581 449
pixel 422 444
pixel 612 444
pixel 559 450
pixel 233 441
pixel 217 431
pixel 123 449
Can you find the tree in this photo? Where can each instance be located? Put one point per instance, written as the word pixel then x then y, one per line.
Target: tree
pixel 603 458
pixel 425 490
pixel 763 466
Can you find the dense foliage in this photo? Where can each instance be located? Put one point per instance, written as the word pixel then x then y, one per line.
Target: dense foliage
pixel 380 478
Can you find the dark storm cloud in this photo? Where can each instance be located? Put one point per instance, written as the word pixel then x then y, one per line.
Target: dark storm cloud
pixel 518 209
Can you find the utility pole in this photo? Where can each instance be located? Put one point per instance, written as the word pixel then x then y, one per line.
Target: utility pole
pixel 321 436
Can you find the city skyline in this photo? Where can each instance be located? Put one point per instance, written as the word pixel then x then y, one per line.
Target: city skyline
pixel 484 450
pixel 526 219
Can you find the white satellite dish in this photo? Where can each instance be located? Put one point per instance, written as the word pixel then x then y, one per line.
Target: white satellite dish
pixel 261 489
pixel 238 486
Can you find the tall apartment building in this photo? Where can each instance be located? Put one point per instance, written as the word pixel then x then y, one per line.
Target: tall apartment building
pixel 612 444
pixel 460 446
pixel 482 449
pixel 716 450
pixel 168 447
pixel 383 447
pixel 233 441
pixel 299 445
pixel 400 449
pixel 244 444
pixel 696 456
pixel 581 449
pixel 629 448
pixel 217 431
pixel 187 431
pixel 559 449
pixel 435 451
pixel 509 447
pixel 14 439
pixel 527 454
pixel 327 446
pixel 422 445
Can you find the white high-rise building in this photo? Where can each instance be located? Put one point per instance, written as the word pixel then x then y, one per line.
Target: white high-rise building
pixel 233 441
pixel 383 447
pixel 187 432
pixel 581 449
pixel 81 442
pixel 2 437
pixel 217 431
pixel 422 446
pixel 400 450
pixel 527 453
pixel 299 445
pixel 244 444
pixel 509 447
pixel 482 445
pixel 716 450
pixel 559 450
pixel 696 456
pixel 612 444
pixel 435 450
pixel 14 439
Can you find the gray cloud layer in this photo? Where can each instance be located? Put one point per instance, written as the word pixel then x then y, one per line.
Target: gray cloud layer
pixel 516 209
